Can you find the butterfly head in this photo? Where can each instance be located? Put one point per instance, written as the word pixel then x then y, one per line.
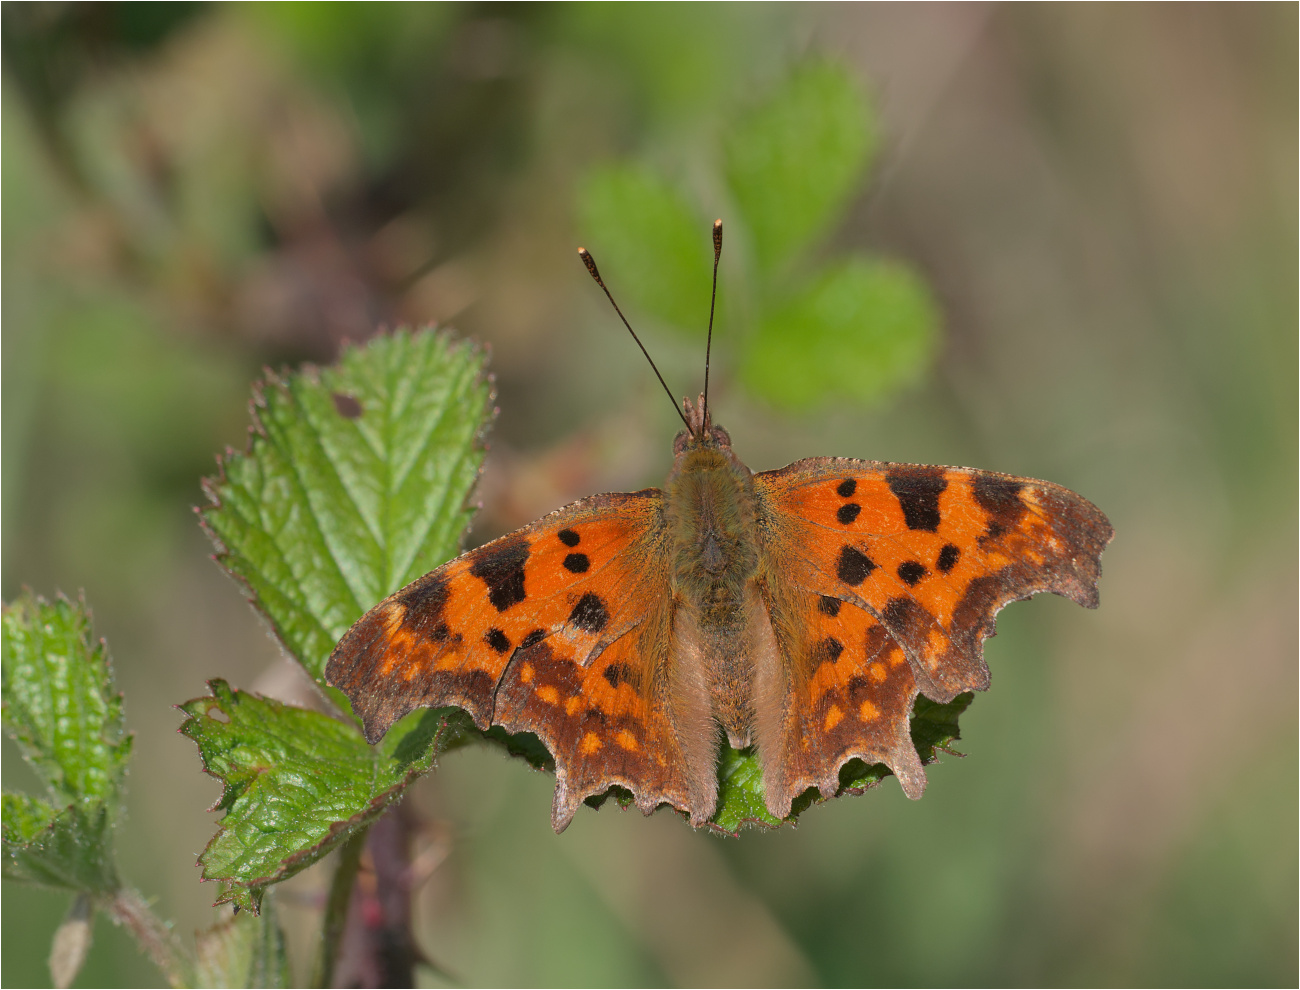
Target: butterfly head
pixel 700 431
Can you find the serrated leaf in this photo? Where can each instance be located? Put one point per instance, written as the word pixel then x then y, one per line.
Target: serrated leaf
pixel 69 848
pixel 862 329
pixel 648 239
pixel 60 705
pixel 354 484
pixel 246 950
pixel 794 161
pixel 740 778
pixel 296 782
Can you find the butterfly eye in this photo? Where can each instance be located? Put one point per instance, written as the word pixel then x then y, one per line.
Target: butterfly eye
pixel 679 442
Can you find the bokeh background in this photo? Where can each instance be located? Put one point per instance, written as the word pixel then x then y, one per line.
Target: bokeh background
pixel 1101 204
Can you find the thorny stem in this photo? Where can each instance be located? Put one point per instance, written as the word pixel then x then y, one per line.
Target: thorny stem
pixel 336 908
pixel 378 947
pixel 128 908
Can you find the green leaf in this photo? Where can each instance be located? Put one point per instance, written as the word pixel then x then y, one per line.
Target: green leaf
pixel 60 705
pixel 794 161
pixel 861 330
pixel 740 793
pixel 354 484
pixel 246 950
pixel 69 848
pixel 651 245
pixel 296 783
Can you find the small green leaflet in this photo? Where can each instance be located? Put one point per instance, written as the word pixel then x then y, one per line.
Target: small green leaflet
pixel 296 783
pixel 245 950
pixel 858 330
pixel 804 330
pixel 652 231
pixel 62 709
pixel 69 847
pixel 794 160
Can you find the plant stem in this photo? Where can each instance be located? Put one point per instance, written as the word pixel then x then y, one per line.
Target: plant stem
pixel 336 908
pixel 127 907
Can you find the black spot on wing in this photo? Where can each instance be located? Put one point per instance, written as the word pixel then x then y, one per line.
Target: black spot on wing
pixel 918 491
pixel 501 567
pixel 906 619
pixel 829 606
pixel 577 563
pixel 617 673
pixel 847 487
pixel 589 614
pixel 827 650
pixel 496 639
pixel 854 566
pixel 532 639
pixel 569 538
pixel 1000 498
pixel 428 594
pixel 910 572
pixel 423 602
pixel 948 557
pixel 848 512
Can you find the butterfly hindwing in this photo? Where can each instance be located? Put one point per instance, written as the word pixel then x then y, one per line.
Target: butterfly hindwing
pixel 847 693
pixel 600 721
pixel 552 629
pixel 932 552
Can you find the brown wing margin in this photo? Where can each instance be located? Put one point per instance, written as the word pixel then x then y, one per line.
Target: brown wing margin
pixel 932 552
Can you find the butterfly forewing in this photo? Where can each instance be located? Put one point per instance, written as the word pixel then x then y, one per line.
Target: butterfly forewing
pixel 447 639
pixel 932 552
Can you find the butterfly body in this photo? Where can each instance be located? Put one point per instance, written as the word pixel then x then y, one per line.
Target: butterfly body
pixel 799 611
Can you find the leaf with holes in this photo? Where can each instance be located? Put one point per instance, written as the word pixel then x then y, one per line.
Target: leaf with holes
pixel 354 483
pixel 296 783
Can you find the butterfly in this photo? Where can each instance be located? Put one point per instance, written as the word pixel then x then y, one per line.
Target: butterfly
pixel 799 611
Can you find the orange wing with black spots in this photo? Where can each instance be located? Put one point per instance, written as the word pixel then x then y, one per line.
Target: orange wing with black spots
pixel 602 722
pixel 932 553
pixel 559 629
pixel 848 694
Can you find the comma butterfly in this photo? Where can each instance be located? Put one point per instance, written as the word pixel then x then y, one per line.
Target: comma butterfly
pixel 801 611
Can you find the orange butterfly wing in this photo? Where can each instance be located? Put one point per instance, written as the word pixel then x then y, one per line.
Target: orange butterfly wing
pixel 920 560
pixel 559 629
pixel 846 693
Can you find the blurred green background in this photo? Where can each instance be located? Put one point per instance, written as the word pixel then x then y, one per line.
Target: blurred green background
pixel 1080 222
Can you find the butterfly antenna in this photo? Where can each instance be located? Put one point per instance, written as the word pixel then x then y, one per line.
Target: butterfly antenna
pixel 713 299
pixel 590 262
